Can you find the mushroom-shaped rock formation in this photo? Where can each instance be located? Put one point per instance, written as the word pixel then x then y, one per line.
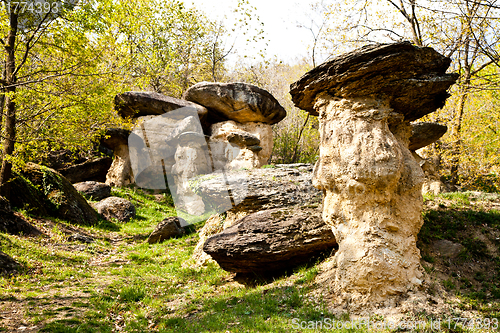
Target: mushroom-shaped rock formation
pixel 365 100
pixel 240 108
pixel 424 134
pixel 120 172
pixel 410 79
pixel 237 101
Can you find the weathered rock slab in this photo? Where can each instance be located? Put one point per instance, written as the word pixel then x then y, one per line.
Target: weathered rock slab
pixel 237 101
pixel 412 79
pixel 269 188
pixel 447 248
pixel 271 240
pixel 95 190
pixel 116 208
pixel 133 104
pixel 425 133
pixel 166 229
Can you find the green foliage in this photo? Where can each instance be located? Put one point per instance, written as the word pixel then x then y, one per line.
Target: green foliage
pixel 295 138
pixel 67 84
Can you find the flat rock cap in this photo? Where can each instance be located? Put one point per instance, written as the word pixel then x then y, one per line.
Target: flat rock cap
pixel 424 134
pixel 241 102
pixel 413 79
pixel 136 104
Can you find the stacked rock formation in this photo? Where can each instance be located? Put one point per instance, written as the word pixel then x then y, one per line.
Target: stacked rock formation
pixel 282 187
pixel 215 127
pixel 365 100
pixel 245 114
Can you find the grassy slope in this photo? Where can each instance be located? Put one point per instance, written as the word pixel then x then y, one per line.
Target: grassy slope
pixel 120 283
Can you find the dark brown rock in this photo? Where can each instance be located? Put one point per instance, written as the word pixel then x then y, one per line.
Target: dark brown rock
pixel 243 139
pixel 166 229
pixel 237 101
pixel 116 208
pixel 70 205
pixel 133 104
pixel 424 134
pixel 90 170
pixel 412 79
pixel 271 240
pixel 93 190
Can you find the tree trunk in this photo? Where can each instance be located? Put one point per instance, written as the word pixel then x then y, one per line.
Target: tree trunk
pixel 456 129
pixel 2 104
pixel 10 116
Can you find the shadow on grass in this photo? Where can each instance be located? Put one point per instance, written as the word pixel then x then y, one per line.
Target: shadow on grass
pixel 447 224
pixel 279 309
pixel 106 225
pixel 255 279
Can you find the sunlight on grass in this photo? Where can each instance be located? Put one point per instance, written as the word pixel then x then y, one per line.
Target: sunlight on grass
pixel 122 283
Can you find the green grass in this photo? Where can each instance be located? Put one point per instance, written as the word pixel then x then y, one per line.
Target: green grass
pixel 140 287
pixel 121 282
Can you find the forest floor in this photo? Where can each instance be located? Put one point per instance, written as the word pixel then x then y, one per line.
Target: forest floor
pixel 120 283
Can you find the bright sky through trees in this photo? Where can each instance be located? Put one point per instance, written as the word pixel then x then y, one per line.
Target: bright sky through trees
pixel 280 18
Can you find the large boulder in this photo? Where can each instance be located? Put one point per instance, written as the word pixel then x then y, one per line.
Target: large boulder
pixel 154 144
pixel 237 101
pixel 69 204
pixel 371 182
pixel 271 240
pixel 93 190
pixel 252 191
pixel 116 208
pixel 25 195
pixel 413 80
